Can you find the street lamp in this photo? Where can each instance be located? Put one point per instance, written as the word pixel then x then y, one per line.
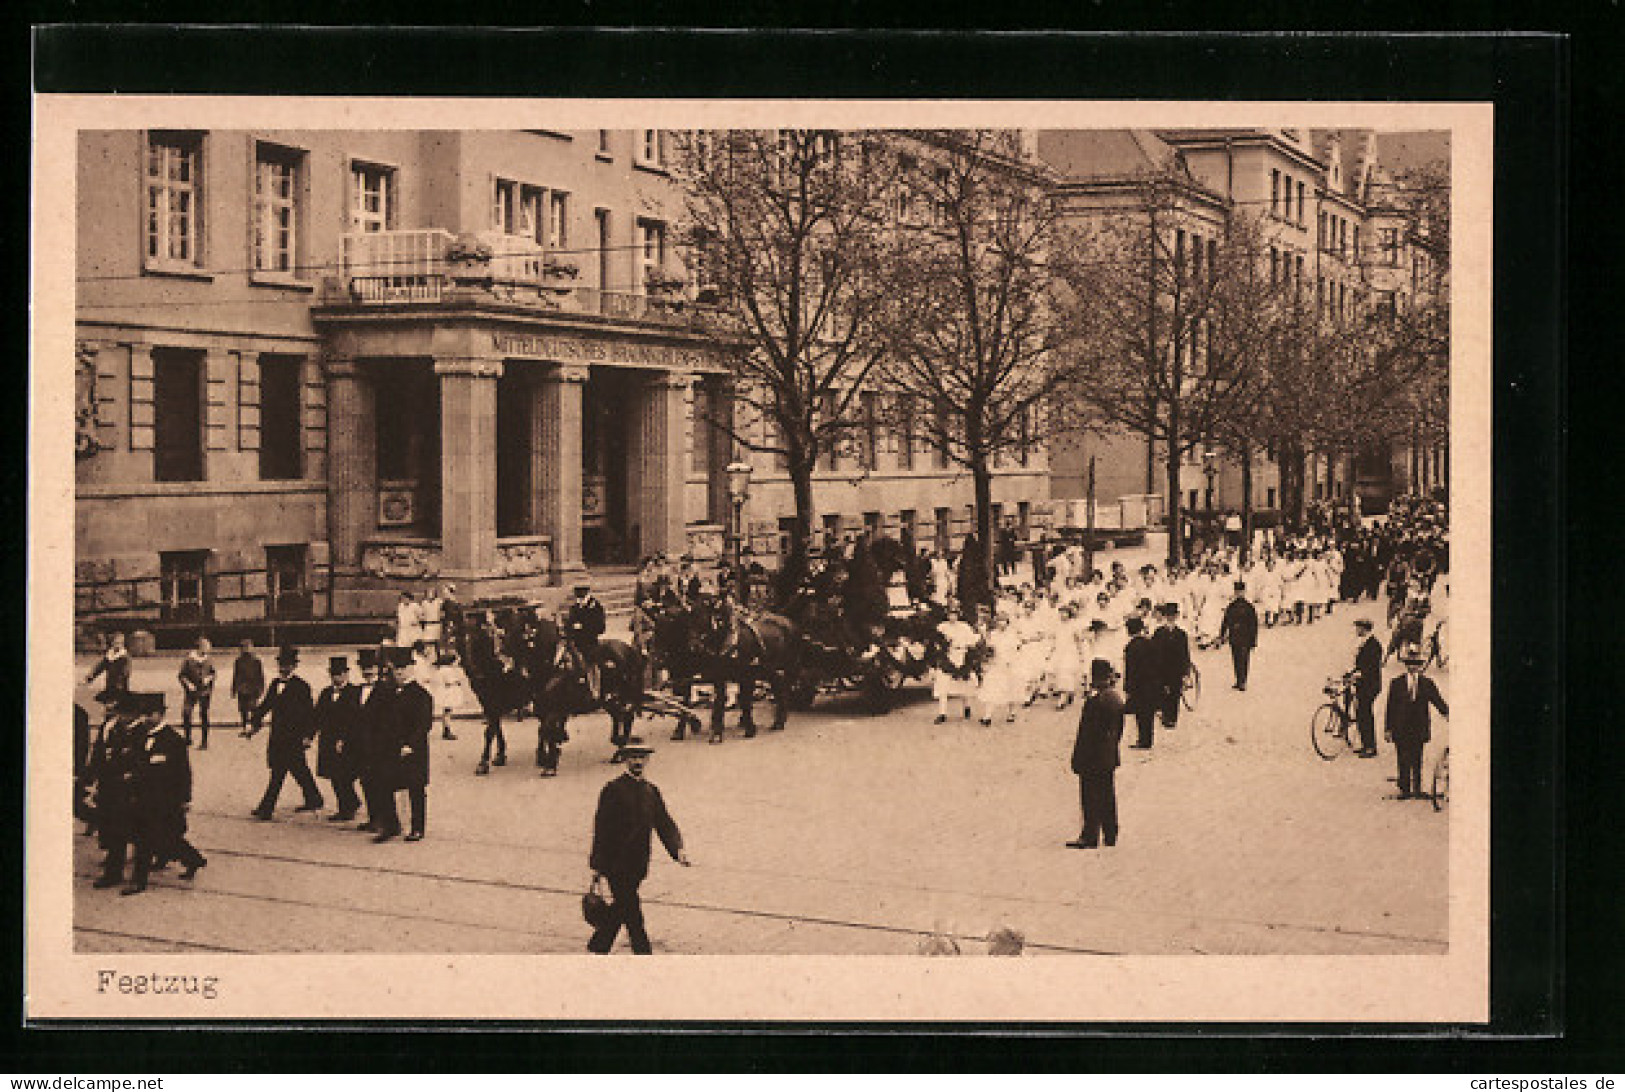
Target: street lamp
pixel 738 473
pixel 1210 468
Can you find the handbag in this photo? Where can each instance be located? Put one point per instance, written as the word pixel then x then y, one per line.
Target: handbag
pixel 594 907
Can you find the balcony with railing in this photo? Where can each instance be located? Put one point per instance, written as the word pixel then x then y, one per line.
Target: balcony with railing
pixel 393 268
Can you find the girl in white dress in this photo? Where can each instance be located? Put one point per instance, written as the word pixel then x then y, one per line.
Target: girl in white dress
pixel 1211 619
pixel 955 680
pixel 1002 681
pixel 1066 662
pixel 1269 590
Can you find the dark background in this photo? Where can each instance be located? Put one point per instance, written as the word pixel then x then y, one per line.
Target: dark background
pixel 1555 883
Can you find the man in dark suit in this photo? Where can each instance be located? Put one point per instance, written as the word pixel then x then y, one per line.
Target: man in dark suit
pixel 1142 683
pixel 372 744
pixel 1095 757
pixel 1367 685
pixel 161 790
pixel 1173 658
pixel 1239 629
pixel 630 808
pixel 333 720
pixel 247 682
pixel 1408 723
pixel 288 703
pixel 112 773
pixel 412 716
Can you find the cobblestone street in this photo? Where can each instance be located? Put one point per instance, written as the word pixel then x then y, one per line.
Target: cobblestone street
pixel 847 833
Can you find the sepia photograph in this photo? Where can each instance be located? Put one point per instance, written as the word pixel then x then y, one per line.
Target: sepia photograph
pixel 1017 561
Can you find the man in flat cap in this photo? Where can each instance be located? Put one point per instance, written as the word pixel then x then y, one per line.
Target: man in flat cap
pixel 1239 628
pixel 1095 757
pixel 288 703
pixel 161 790
pixel 630 809
pixel 1408 723
pixel 1367 685
pixel 333 720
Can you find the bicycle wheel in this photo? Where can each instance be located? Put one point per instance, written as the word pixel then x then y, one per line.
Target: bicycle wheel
pixel 1326 731
pixel 1192 693
pixel 1440 793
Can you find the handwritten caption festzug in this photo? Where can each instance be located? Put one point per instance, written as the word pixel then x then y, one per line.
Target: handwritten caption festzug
pixel 112 981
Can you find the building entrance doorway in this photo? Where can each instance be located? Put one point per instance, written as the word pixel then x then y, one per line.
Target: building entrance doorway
pixel 609 411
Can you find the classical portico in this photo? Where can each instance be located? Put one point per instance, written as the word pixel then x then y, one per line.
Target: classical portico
pixel 499 454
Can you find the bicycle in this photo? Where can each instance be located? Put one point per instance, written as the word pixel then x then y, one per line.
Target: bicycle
pixel 1439 792
pixel 1332 728
pixel 1438 646
pixel 1191 691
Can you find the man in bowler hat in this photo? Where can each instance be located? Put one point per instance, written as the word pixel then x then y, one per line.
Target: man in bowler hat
pixel 630 809
pixel 1095 757
pixel 1408 724
pixel 287 701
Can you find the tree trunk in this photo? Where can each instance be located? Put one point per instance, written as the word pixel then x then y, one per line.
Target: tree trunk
pixel 1246 503
pixel 1291 468
pixel 1176 544
pixel 795 565
pixel 982 479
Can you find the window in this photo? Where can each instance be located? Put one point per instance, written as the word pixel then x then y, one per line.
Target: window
pixel 174 199
pixel 1300 205
pixel 1190 501
pixel 184 591
pixel 177 414
pixel 651 148
pixel 1297 275
pixel 603 144
pixel 944 432
pixel 558 220
pixel 906 521
pixel 870 452
pixel 651 251
pixel 1275 265
pixel 1388 241
pixel 372 197
pixel 1275 193
pixel 281 433
pixel 830 456
pixel 276 209
pixel 942 198
pixel 605 277
pixel 871 525
pixel 287 593
pixel 1356 242
pixel 1026 437
pixel 1269 495
pixel 704 412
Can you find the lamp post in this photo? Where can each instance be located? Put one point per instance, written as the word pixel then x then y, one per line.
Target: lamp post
pixel 738 473
pixel 1211 470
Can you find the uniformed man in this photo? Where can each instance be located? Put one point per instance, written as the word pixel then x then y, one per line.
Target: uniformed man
pixel 112 775
pixel 411 712
pixel 1367 685
pixel 333 721
pixel 1239 629
pixel 583 624
pixel 1095 757
pixel 289 705
pixel 161 791
pixel 630 808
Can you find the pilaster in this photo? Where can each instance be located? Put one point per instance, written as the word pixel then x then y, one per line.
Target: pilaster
pixel 558 464
pixel 468 464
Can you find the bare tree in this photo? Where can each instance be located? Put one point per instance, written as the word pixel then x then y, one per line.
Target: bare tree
pixel 787 233
pixel 1170 331
pixel 975 331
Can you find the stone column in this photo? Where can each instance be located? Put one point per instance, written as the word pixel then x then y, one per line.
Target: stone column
pixel 352 472
pixel 664 458
pixel 557 466
pixel 468 464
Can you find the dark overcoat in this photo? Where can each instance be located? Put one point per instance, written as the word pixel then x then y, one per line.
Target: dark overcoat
pixel 1240 624
pixel 1173 656
pixel 1100 727
pixel 1368 668
pixel 372 746
pixel 161 785
pixel 629 809
pixel 1408 719
pixel 412 715
pixel 289 705
pixel 1141 680
pixel 333 720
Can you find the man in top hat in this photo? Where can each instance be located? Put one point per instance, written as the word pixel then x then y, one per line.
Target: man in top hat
pixel 1142 683
pixel 111 773
pixel 1367 685
pixel 630 809
pixel 368 743
pixel 1239 628
pixel 412 715
pixel 1408 723
pixel 1173 658
pixel 161 790
pixel 1095 757
pixel 583 624
pixel 333 720
pixel 289 705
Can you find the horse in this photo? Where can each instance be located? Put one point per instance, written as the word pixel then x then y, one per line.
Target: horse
pixel 564 694
pixel 674 649
pixel 492 649
pixel 743 652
